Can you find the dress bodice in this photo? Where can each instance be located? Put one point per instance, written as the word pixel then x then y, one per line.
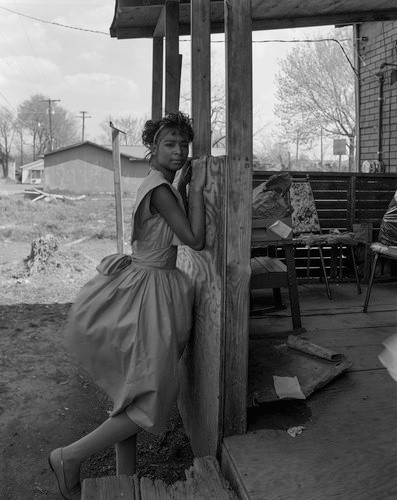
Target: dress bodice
pixel 153 242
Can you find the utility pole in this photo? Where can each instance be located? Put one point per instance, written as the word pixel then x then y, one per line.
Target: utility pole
pixel 50 101
pixel 83 117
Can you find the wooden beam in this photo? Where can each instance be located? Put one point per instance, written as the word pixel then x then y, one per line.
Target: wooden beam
pixel 172 59
pixel 324 20
pixel 200 398
pixel 157 78
pixel 238 26
pixel 159 30
pixel 201 76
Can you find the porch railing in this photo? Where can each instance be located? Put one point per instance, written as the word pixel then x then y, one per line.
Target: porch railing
pixel 343 199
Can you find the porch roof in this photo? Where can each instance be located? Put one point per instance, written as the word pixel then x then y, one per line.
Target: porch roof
pixel 145 18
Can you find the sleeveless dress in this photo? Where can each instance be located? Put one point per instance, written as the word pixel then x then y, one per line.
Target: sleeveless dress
pixel 129 325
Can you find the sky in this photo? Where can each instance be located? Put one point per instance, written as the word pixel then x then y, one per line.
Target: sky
pixel 92 72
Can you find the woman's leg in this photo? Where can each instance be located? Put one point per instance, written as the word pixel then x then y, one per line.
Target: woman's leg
pixel 114 430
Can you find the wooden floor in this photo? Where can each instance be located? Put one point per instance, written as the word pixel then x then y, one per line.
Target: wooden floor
pixel 348 445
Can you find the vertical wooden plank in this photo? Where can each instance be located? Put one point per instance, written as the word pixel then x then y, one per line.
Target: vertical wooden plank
pixel 172 59
pixel 157 78
pixel 238 31
pixel 201 76
pixel 200 400
pixel 117 190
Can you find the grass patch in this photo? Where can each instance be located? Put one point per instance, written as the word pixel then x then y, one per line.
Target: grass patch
pixel 93 217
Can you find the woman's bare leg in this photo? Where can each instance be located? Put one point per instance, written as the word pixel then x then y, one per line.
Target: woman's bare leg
pixel 114 430
pixel 126 456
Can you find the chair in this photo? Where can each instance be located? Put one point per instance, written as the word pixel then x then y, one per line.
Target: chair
pixel 308 233
pixel 379 250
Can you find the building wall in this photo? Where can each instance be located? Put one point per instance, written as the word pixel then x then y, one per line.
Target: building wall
pixel 376 45
pixel 87 169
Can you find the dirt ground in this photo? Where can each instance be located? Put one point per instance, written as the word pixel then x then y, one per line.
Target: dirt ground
pixel 45 400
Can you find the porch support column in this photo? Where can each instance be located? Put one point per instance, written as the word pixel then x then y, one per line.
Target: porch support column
pixel 238 38
pixel 172 58
pixel 201 76
pixel 157 78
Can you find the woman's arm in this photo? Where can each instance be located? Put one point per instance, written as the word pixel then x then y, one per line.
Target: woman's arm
pixel 185 176
pixel 190 230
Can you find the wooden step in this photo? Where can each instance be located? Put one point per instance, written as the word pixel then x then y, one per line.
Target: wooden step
pixel 204 481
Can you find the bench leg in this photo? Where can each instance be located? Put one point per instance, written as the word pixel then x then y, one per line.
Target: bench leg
pixel 293 287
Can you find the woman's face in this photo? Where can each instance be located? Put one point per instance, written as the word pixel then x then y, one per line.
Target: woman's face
pixel 171 151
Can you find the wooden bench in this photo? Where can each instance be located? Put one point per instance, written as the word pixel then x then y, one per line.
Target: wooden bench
pixel 270 272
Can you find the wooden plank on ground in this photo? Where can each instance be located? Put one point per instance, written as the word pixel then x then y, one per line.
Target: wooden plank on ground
pixel 346 450
pixel 204 481
pixel 111 488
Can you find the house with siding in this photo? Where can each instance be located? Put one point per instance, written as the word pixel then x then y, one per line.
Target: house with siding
pixel 87 167
pixel 32 173
pixel 376 63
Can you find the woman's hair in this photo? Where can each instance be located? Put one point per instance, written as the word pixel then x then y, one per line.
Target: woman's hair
pixel 179 121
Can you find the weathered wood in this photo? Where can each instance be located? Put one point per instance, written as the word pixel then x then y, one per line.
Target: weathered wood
pixel 140 19
pixel 172 59
pixel 204 481
pixel 117 190
pixel 330 459
pixel 157 78
pixel 111 488
pixel 200 399
pixel 201 76
pixel 238 36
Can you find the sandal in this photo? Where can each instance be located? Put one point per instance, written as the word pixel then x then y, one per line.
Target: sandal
pixel 55 461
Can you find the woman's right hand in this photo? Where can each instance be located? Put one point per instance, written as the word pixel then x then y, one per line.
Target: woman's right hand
pixel 199 175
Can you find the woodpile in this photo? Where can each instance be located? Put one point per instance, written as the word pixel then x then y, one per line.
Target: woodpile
pixel 38 194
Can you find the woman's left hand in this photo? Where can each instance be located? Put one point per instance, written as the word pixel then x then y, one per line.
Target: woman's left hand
pixel 185 175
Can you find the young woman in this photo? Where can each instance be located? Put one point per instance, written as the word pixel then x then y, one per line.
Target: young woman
pixel 129 325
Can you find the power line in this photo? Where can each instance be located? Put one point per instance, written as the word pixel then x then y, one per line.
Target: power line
pixel 53 23
pixel 32 49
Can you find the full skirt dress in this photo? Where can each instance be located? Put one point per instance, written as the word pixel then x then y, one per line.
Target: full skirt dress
pixel 129 325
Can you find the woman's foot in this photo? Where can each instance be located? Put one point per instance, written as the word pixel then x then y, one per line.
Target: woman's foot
pixel 66 472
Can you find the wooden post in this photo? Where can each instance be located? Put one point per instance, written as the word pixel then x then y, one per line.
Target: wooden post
pixel 157 78
pixel 117 187
pixel 200 399
pixel 239 141
pixel 172 58
pixel 201 76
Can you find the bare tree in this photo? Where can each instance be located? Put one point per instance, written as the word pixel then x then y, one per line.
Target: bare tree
pixel 132 126
pixel 6 138
pixel 316 90
pixel 61 128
